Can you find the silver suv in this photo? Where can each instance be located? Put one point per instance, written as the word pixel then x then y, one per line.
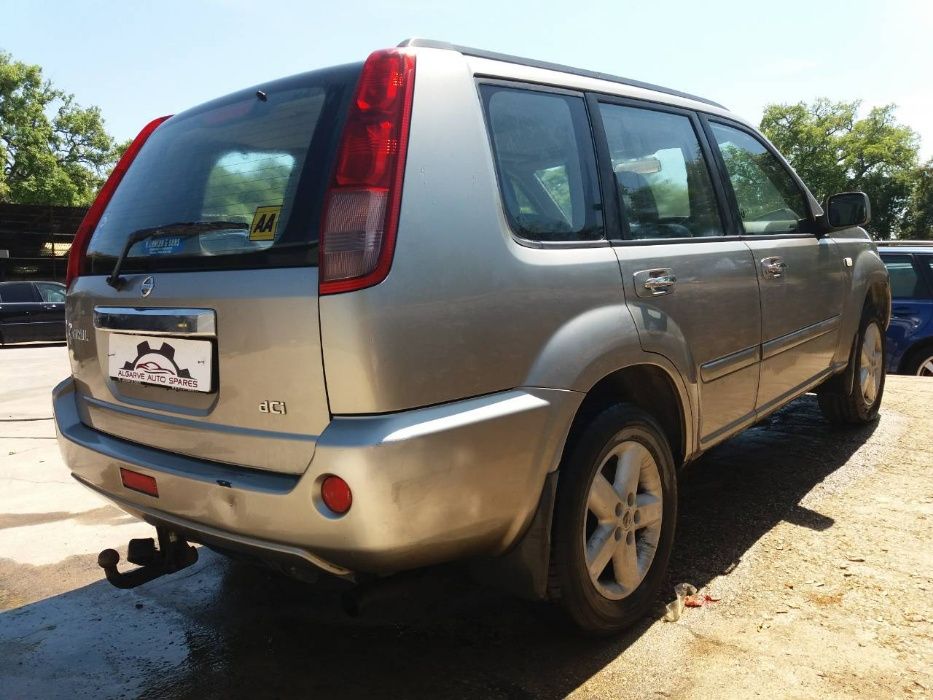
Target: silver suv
pixel 451 305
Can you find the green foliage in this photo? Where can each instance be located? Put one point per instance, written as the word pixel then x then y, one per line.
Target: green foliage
pixel 918 223
pixel 834 150
pixel 52 151
pixel 240 182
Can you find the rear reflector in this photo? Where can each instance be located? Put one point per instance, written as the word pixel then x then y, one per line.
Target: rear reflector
pixel 78 251
pixel 335 492
pixel 362 205
pixel 139 482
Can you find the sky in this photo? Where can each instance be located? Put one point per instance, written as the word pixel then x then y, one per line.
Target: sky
pixel 139 60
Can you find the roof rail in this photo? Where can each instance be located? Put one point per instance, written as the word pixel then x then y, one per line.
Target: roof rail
pixel 532 63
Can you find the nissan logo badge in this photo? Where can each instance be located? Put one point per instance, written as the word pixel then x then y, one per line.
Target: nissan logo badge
pixel 146 287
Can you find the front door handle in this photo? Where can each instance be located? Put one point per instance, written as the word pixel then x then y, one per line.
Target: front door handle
pixel 660 281
pixel 773 267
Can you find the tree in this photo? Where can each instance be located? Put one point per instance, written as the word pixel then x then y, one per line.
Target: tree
pixel 834 150
pixel 918 223
pixel 52 150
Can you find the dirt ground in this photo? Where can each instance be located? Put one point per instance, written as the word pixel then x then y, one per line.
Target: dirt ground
pixel 815 540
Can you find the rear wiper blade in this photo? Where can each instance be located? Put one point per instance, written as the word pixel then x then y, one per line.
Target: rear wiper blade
pixel 182 229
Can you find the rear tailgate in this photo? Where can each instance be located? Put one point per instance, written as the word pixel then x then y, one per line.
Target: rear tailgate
pixel 209 345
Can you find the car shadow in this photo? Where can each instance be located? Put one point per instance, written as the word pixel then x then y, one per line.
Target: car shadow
pixel 225 629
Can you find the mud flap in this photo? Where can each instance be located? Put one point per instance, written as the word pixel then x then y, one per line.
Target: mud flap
pixel 523 570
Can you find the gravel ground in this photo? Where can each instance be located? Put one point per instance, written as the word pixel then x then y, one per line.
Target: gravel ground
pixel 816 541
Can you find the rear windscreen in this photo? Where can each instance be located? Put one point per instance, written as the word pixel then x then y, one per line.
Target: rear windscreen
pixel 235 183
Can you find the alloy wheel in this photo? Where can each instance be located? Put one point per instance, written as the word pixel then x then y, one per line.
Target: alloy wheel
pixel 623 520
pixel 926 367
pixel 871 364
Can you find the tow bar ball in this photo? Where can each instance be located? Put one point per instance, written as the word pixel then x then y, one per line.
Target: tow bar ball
pixel 172 554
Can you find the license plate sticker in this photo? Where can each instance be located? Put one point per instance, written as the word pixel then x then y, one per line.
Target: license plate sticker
pixel 173 363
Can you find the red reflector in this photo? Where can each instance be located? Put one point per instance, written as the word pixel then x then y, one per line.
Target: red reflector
pixel 362 205
pixel 139 482
pixel 336 494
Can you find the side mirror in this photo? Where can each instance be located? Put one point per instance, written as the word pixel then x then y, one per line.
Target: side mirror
pixel 847 209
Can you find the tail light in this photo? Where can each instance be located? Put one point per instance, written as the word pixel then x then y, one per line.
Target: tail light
pixel 362 205
pixel 76 255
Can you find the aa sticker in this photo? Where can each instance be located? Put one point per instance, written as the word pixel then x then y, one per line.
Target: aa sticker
pixel 264 222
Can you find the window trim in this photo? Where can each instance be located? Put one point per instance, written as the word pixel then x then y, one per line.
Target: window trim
pixel 707 120
pixel 729 223
pixel 480 81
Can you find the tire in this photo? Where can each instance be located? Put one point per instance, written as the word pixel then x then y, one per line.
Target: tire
pixel 920 362
pixel 643 529
pixel 858 404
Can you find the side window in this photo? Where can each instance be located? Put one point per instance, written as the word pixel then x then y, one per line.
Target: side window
pixel 906 283
pixel 661 177
pixel 768 198
pixel 545 162
pixel 51 293
pixel 17 293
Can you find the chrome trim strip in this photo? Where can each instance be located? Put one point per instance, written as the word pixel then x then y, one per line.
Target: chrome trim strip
pixel 792 340
pixel 720 367
pixel 156 321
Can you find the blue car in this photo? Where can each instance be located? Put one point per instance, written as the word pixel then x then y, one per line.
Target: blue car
pixel 910 335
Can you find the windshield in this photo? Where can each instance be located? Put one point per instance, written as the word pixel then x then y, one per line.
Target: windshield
pixel 248 171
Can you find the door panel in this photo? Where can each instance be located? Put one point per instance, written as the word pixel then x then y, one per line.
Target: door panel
pixel 708 325
pixel 19 311
pixel 692 291
pixel 800 276
pixel 52 310
pixel 799 312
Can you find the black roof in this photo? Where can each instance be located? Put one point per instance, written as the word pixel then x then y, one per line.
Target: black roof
pixel 492 55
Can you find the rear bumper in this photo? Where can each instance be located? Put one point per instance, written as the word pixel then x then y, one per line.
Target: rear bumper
pixel 429 485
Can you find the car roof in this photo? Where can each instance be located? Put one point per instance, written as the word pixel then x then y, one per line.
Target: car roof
pixel 546 65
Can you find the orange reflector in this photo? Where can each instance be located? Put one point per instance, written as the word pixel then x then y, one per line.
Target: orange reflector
pixel 139 482
pixel 336 494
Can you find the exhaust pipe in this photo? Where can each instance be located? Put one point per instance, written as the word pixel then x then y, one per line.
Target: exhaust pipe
pixel 173 554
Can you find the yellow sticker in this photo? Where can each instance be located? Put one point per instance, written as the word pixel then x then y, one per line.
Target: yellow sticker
pixel 264 222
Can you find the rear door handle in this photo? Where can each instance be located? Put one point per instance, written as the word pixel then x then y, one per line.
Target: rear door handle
pixel 653 283
pixel 773 267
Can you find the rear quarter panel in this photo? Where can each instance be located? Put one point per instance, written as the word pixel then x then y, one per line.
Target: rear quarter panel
pixel 466 309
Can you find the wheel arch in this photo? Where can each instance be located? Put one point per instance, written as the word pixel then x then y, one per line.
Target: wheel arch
pixel 655 390
pixel 653 386
pixel 910 354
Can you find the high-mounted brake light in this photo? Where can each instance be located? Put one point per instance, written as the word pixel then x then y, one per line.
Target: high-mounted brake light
pixel 76 256
pixel 361 209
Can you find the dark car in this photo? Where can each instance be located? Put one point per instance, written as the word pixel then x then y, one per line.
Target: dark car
pixel 31 311
pixel 910 334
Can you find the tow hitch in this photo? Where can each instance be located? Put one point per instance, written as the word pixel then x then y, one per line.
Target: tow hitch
pixel 173 554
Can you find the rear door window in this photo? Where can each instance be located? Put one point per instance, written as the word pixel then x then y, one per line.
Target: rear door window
pixel 546 165
pixel 18 293
pixel 662 179
pixel 906 281
pixel 235 183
